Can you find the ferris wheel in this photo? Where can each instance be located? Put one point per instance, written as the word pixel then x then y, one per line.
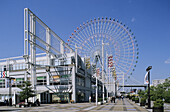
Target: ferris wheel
pixel 122 42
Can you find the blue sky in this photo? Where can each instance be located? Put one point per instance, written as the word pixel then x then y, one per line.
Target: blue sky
pixel 148 19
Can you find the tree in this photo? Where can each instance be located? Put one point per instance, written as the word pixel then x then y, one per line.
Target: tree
pixel 166 85
pixel 161 91
pixel 142 94
pixel 27 91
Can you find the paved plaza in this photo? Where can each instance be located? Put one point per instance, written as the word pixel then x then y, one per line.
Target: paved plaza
pixel 119 106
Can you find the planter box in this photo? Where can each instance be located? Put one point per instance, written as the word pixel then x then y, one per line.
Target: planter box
pixel 158 109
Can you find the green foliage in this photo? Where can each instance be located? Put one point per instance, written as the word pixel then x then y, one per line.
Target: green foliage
pixel 136 99
pixel 100 99
pixel 161 91
pixel 167 96
pixel 158 103
pixel 133 98
pixel 26 91
pixel 142 94
pixel 143 100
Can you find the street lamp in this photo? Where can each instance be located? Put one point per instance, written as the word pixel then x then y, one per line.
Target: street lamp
pixel 103 78
pixel 10 91
pixel 149 101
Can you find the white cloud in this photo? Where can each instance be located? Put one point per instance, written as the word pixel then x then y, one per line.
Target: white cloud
pixel 133 19
pixel 167 61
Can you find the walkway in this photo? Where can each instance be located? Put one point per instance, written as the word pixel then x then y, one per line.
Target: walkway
pixel 119 106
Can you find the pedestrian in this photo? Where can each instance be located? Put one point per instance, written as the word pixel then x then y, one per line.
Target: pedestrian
pixel 122 97
pixel 90 99
pixel 37 102
pixel 10 102
pixel 114 99
pixel 7 103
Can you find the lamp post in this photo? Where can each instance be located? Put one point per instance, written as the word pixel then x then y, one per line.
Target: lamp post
pixel 149 100
pixel 103 77
pixel 10 90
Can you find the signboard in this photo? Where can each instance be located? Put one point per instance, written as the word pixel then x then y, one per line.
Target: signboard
pixel 110 61
pixel 4 74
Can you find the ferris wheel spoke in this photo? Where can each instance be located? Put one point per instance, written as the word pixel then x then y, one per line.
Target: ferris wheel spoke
pixel 74 42
pixel 84 39
pixel 124 64
pixel 117 32
pixel 121 69
pixel 108 22
pixel 101 25
pixel 87 45
pixel 104 28
pixel 111 28
pixel 112 31
pixel 91 33
pixel 95 26
pixel 87 35
pixel 79 44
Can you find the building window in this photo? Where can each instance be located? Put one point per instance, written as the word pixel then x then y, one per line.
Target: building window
pixel 80 81
pixel 19 81
pixel 2 83
pixel 55 80
pixel 41 80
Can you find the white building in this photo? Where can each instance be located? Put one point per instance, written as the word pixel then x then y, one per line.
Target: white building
pixel 60 84
pixel 157 81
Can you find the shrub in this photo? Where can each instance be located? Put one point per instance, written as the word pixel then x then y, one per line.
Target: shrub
pixel 100 99
pixel 143 100
pixel 133 98
pixel 130 97
pixel 136 99
pixel 158 103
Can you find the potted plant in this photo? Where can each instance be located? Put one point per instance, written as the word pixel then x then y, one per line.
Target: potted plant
pixel 137 100
pixel 158 106
pixel 142 102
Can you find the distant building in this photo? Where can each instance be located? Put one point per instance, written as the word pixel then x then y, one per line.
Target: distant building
pixel 158 81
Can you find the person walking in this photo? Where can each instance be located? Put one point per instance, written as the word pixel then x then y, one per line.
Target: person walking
pixel 90 99
pixel 114 99
pixel 122 97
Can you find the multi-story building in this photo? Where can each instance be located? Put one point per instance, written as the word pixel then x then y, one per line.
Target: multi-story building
pixel 157 81
pixel 59 74
pixel 59 82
